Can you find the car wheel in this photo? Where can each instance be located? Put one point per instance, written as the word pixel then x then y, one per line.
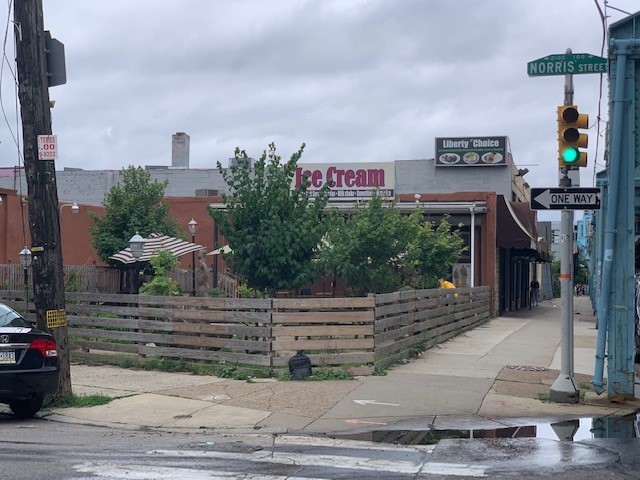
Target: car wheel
pixel 27 408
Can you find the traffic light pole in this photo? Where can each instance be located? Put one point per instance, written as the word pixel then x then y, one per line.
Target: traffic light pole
pixel 564 389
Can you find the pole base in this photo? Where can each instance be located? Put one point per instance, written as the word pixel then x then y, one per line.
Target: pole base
pixel 564 390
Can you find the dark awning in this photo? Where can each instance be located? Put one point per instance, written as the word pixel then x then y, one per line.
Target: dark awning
pixel 515 225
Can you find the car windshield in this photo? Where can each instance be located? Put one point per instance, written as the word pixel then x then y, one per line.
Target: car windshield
pixel 10 318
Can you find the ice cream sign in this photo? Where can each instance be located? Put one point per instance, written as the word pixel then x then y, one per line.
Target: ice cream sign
pixel 348 181
pixel 471 151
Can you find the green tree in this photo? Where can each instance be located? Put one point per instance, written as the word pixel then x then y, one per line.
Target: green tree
pixel 273 229
pixel 133 205
pixel 433 252
pixel 368 249
pixel 161 283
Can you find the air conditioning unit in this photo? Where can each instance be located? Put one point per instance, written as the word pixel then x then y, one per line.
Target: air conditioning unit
pixel 207 192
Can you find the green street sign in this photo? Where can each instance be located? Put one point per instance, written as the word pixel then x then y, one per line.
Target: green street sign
pixel 567 64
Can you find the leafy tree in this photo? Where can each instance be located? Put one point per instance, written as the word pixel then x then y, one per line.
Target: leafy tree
pixel 377 249
pixel 367 249
pixel 272 228
pixel 433 252
pixel 133 205
pixel 161 283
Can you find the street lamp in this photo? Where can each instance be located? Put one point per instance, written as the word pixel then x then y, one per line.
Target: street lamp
pixel 74 207
pixel 193 228
pixel 25 260
pixel 136 245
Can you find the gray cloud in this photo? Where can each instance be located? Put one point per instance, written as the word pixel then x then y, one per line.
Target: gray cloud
pixel 356 80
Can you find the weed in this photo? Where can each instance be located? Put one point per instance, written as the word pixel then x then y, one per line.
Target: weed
pixel 127 363
pixel 153 364
pixel 418 347
pixel 585 386
pixel 380 372
pixel 285 377
pixel 231 371
pixel 544 397
pixel 329 375
pixel 73 400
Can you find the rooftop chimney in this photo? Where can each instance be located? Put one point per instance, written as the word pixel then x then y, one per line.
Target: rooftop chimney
pixel 180 150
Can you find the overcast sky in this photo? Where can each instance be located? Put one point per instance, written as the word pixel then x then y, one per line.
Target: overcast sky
pixel 356 80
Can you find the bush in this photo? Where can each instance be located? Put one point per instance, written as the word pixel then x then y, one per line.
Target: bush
pixel 162 284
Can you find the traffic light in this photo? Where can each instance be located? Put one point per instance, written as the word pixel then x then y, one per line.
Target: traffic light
pixel 570 140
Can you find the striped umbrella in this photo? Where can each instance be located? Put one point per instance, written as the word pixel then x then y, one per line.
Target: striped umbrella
pixel 156 243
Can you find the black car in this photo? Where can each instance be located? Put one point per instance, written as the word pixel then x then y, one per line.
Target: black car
pixel 28 363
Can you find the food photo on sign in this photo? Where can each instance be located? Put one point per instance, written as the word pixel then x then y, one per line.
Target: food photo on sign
pixel 471 151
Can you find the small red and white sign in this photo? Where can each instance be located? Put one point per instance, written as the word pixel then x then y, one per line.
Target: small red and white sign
pixel 47 147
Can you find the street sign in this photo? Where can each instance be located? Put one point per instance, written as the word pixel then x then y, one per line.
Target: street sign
pixel 567 64
pixel 553 198
pixel 47 147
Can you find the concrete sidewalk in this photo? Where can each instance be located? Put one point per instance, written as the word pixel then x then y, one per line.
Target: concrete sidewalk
pixel 489 377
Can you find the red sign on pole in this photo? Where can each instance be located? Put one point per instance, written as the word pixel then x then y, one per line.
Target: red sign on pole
pixel 47 147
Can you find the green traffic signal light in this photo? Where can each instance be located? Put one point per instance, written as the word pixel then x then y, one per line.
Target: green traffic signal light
pixel 570 140
pixel 570 155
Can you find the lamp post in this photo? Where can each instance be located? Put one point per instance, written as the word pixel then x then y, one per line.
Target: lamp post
pixel 25 260
pixel 74 207
pixel 136 245
pixel 193 228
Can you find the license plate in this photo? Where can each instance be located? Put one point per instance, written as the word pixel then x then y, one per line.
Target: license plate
pixel 7 357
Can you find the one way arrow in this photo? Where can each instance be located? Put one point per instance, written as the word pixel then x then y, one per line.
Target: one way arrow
pixel 544 198
pixel 373 402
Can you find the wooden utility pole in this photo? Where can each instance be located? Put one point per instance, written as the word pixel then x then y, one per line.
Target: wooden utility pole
pixel 44 221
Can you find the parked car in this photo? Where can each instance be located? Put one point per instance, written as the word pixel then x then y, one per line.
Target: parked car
pixel 28 364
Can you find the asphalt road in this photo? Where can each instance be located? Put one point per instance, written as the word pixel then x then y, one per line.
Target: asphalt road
pixel 48 450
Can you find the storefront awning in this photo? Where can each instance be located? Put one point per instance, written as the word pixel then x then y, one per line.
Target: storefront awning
pixel 516 225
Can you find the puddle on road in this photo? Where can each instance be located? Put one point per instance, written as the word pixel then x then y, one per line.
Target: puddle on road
pixel 571 430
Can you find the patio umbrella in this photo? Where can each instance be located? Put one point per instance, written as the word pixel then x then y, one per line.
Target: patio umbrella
pixel 156 243
pixel 218 251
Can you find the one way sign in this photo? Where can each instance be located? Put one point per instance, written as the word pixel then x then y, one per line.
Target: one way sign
pixel 565 198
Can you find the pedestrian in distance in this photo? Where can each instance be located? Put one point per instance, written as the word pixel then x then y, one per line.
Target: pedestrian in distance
pixel 535 290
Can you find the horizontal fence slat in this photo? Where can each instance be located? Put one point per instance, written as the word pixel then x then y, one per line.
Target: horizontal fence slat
pixel 323 303
pixel 323 317
pixel 104 346
pixel 77 320
pixel 321 330
pixel 248 359
pixel 325 344
pixel 329 358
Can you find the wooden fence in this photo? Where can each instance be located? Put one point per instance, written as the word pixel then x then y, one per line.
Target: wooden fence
pixel 412 320
pixel 358 335
pixel 79 278
pixel 333 332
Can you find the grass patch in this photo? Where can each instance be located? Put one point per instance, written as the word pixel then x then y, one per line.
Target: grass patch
pixel 319 375
pixel 545 397
pixel 329 375
pixel 70 401
pixel 221 369
pixel 585 386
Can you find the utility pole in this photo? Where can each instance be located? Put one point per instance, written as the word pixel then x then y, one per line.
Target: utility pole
pixel 564 389
pixel 42 201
